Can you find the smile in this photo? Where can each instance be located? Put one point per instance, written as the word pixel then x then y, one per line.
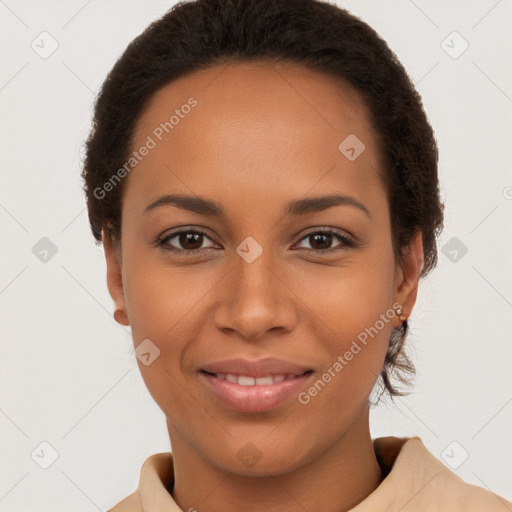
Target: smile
pixel 247 380
pixel 250 394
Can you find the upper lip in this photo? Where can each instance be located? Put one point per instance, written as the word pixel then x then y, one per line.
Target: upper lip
pixel 258 368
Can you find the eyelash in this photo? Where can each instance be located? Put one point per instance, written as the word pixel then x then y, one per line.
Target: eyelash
pixel 348 242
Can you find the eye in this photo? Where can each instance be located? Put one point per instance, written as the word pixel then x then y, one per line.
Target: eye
pixel 322 240
pixel 187 240
pixel 190 241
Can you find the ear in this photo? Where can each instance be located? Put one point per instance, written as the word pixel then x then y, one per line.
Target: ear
pixel 114 278
pixel 408 274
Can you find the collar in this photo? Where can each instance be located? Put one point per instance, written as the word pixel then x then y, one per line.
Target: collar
pixel 414 480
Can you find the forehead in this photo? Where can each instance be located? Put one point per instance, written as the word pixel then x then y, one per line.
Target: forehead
pixel 256 129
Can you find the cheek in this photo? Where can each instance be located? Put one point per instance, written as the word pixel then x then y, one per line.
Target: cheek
pixel 352 296
pixel 159 299
pixel 355 303
pixel 164 306
pixel 359 315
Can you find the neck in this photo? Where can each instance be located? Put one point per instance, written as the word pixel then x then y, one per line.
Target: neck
pixel 335 481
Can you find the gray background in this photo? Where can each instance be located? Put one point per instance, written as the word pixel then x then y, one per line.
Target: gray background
pixel 68 375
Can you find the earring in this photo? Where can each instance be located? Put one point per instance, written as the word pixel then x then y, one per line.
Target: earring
pixel 400 314
pixel 118 315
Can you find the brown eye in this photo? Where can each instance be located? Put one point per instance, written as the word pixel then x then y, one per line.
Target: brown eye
pixel 190 241
pixel 185 241
pixel 321 241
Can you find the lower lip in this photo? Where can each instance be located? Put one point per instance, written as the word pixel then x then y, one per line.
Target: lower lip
pixel 254 398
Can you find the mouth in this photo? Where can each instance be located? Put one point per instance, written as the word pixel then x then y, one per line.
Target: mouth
pixel 250 394
pixel 248 380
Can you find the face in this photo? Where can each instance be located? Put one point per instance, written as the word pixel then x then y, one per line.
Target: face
pixel 248 262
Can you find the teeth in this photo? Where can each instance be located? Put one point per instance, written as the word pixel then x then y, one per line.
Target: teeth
pixel 246 380
pixel 264 380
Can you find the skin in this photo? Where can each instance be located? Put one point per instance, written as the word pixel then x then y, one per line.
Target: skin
pixel 260 136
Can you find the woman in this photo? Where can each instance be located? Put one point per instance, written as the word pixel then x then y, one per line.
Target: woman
pixel 263 179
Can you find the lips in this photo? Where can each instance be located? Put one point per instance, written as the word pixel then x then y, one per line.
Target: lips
pixel 269 366
pixel 254 386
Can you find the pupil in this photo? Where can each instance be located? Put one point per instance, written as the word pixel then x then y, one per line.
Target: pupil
pixel 189 238
pixel 325 237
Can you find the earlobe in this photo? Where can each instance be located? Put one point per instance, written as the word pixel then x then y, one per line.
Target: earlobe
pixel 114 278
pixel 120 317
pixel 409 274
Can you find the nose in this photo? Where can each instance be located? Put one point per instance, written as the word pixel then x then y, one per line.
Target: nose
pixel 256 299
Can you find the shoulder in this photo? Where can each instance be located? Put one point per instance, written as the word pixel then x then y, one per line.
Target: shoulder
pixel 444 487
pixel 415 480
pixel 131 503
pixel 156 476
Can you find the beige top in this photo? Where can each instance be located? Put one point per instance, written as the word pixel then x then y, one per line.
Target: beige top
pixel 416 481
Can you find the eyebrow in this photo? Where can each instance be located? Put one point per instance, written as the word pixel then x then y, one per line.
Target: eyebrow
pixel 204 206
